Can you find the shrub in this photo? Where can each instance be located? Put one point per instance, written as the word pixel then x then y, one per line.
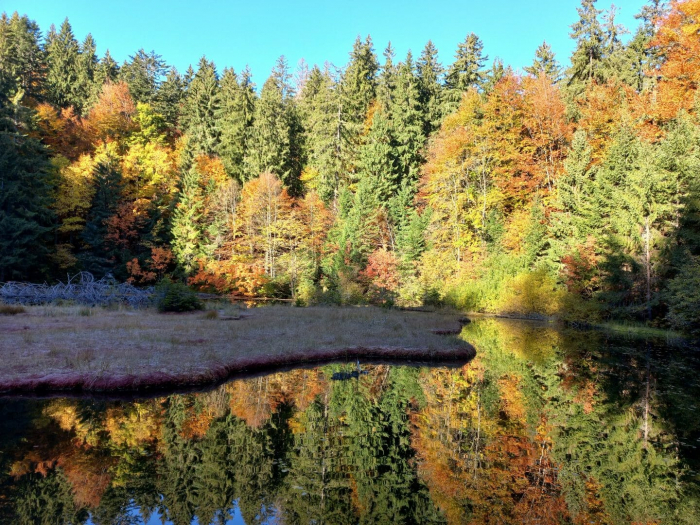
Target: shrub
pixel 683 297
pixel 211 315
pixel 176 297
pixel 533 292
pixel 9 309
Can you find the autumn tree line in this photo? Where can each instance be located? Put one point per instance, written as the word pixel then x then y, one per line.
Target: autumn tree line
pixel 570 191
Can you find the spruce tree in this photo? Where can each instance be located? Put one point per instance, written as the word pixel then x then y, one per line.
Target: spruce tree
pixel 358 88
pixel 234 120
pixel 325 134
pixel 169 100
pixel 187 231
pixel 86 66
pixel 21 57
pixel 590 46
pixel 62 52
pixel 407 124
pixel 387 79
pixel 467 69
pixel 200 109
pixel 98 254
pixel 25 219
pixel 106 70
pixel 545 63
pixel 376 161
pixel 269 145
pixel 429 72
pixel 143 73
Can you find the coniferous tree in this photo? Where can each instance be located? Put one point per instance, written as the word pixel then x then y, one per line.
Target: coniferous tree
pixel 407 124
pixel 376 161
pixel 235 119
pixel 590 46
pixel 98 256
pixel 25 219
pixel 429 73
pixel 268 148
pixel 62 52
pixel 386 82
pixel 545 63
pixel 200 108
pixel 187 231
pixel 321 112
pixel 106 70
pixel 358 89
pixel 143 73
pixel 21 57
pixel 467 69
pixel 275 133
pixel 86 66
pixel 169 99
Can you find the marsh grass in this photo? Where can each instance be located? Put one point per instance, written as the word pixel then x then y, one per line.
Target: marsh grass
pixel 52 340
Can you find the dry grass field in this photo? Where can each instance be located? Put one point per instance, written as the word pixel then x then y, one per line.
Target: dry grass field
pixel 94 349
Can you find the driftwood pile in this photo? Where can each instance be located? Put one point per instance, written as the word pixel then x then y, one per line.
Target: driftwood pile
pixel 81 288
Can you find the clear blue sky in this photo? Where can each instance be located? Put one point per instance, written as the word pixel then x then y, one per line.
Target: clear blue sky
pixel 235 33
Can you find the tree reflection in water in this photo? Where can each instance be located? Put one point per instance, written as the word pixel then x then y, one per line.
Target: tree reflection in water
pixel 543 426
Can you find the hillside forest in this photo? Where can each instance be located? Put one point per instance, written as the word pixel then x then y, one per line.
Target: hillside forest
pixel 569 190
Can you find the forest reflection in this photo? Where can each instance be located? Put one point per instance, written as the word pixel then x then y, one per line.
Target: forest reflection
pixel 543 426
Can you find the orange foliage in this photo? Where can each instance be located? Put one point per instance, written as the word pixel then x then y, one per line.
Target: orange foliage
pixel 236 276
pixel 161 259
pixel 547 128
pixel 111 117
pixel 382 274
pixel 679 42
pixel 123 227
pixel 604 109
pixel 62 130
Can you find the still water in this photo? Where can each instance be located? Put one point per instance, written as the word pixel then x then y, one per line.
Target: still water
pixel 543 426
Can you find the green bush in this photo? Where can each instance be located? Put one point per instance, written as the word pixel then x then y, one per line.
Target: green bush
pixel 683 298
pixel 176 297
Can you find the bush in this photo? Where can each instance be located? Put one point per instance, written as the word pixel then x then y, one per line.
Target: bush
pixel 683 297
pixel 531 293
pixel 176 297
pixel 8 309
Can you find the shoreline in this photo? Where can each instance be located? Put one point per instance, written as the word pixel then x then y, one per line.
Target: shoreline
pixel 69 349
pixel 158 382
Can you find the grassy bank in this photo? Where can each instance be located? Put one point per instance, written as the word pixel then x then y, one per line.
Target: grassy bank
pixel 78 348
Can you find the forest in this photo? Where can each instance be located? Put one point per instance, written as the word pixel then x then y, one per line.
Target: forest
pixel 567 190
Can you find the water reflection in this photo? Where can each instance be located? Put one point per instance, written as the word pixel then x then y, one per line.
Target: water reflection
pixel 544 426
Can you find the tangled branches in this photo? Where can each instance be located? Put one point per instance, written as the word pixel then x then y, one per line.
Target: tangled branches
pixel 81 288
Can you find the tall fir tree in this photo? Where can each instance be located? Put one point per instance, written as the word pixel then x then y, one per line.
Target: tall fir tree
pixel 143 73
pixel 200 109
pixel 358 88
pixel 467 69
pixel 235 119
pixel 590 47
pixel 21 57
pixel 545 63
pixel 321 112
pixel 407 123
pixel 25 193
pixel 62 52
pixel 429 72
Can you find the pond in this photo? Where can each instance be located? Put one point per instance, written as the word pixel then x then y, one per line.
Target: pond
pixel 543 426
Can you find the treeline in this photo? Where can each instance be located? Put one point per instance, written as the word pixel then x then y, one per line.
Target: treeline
pixel 558 191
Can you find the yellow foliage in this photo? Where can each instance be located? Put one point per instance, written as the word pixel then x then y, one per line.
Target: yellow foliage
pixel 533 293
